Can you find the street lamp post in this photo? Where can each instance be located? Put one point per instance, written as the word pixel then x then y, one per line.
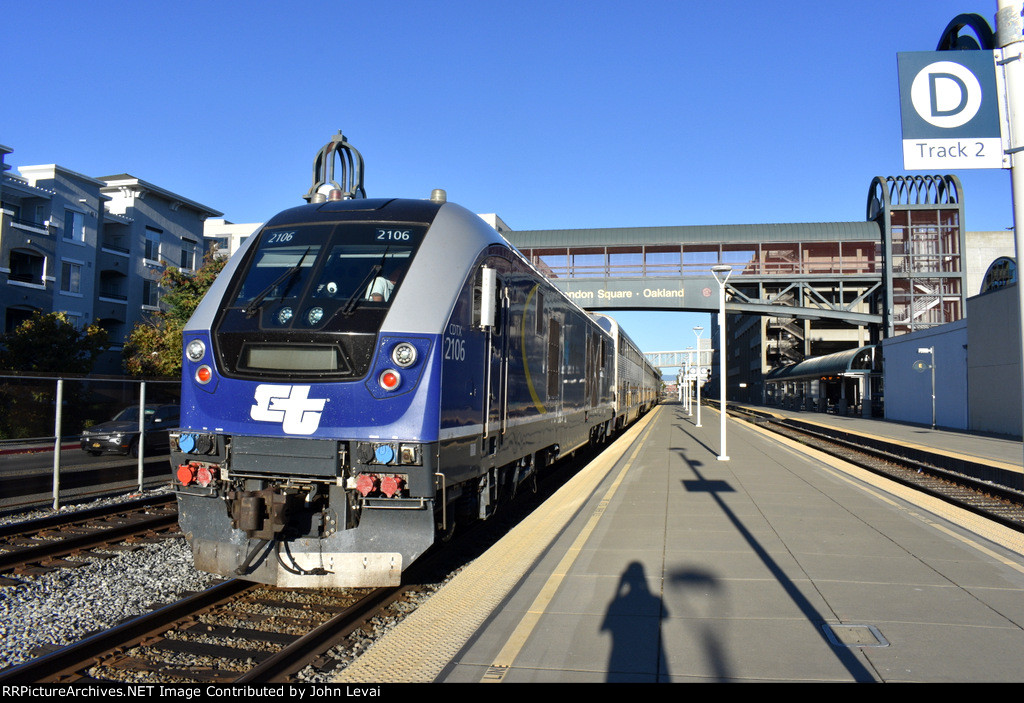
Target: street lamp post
pixel 696 380
pixel 931 351
pixel 721 273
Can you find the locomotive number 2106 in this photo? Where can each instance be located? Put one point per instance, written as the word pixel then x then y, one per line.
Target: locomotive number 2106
pixel 394 235
pixel 454 349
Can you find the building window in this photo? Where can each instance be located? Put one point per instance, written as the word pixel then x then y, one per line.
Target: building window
pixel 74 226
pixel 113 285
pixel 152 244
pixel 150 293
pixel 70 277
pixel 26 267
pixel 188 254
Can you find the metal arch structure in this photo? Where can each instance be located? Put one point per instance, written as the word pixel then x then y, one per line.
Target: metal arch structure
pixel 923 249
pixel 908 191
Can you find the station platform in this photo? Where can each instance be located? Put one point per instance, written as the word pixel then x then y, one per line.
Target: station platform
pixel 661 563
pixel 981 447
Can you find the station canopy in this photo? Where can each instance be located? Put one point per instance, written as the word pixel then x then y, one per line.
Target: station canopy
pixel 858 361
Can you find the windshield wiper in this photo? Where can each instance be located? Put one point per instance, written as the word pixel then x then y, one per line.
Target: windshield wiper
pixel 357 294
pixel 254 305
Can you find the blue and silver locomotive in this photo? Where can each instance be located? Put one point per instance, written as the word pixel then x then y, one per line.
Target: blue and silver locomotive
pixel 363 374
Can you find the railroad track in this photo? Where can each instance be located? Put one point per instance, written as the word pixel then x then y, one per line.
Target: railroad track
pixel 235 631
pixel 242 632
pixel 973 486
pixel 36 546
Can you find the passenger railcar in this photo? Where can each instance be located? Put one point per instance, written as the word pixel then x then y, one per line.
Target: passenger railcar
pixel 363 374
pixel 636 382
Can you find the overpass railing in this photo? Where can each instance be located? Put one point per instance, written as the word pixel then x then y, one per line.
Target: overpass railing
pixel 840 258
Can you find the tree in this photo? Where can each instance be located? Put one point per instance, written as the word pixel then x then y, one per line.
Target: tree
pixel 50 343
pixel 154 346
pixel 45 343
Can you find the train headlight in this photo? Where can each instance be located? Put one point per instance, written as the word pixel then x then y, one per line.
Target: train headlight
pixel 389 380
pixel 315 315
pixel 404 354
pixel 283 315
pixel 195 350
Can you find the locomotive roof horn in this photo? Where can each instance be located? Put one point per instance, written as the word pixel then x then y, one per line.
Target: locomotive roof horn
pixel 323 172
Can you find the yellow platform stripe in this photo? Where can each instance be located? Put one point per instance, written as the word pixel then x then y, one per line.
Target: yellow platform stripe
pixel 422 645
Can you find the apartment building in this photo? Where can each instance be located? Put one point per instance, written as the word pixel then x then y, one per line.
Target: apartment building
pixel 94 248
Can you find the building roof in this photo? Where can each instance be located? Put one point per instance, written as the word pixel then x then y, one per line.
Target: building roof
pixel 126 180
pixel 697 234
pixel 50 171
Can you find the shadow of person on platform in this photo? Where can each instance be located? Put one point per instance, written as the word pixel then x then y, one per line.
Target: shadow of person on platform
pixel 708 604
pixel 634 620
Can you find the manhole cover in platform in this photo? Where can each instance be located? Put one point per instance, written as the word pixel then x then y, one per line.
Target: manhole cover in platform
pixel 854 635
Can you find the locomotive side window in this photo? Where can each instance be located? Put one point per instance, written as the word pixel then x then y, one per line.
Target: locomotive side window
pixel 554 358
pixel 540 313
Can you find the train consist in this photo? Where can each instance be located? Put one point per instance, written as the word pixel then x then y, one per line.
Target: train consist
pixel 637 383
pixel 365 373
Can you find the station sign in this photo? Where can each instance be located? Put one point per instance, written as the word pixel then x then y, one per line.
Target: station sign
pixel 949 105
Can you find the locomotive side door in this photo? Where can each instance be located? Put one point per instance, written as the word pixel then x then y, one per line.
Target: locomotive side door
pixel 495 295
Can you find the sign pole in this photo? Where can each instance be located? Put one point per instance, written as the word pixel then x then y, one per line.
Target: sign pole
pixel 1010 39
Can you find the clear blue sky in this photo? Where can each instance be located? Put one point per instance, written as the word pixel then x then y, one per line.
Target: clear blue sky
pixel 551 114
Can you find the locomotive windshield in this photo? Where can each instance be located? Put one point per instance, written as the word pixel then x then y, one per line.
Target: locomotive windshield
pixel 298 263
pixel 308 292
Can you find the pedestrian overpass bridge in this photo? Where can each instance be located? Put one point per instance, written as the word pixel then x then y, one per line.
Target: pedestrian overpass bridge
pixel 899 270
pixel 824 270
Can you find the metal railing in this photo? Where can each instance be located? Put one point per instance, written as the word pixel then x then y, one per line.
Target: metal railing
pixel 68 405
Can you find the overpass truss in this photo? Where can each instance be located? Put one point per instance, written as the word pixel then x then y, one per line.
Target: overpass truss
pixel 846 298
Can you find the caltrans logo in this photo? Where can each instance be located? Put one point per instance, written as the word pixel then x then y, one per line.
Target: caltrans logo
pixel 289 405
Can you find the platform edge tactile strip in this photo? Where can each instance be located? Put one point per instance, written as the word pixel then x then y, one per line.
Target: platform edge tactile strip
pixel 425 642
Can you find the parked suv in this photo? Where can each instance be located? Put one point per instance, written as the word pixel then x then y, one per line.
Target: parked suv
pixel 121 435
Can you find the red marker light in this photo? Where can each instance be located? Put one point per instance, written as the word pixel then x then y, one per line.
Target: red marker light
pixel 203 374
pixel 389 380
